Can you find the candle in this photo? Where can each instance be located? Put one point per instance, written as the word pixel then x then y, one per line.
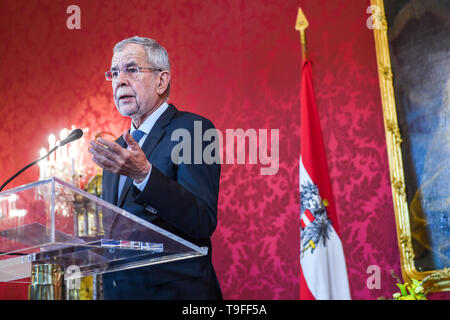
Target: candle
pixel 62 135
pixel 43 165
pixel 51 160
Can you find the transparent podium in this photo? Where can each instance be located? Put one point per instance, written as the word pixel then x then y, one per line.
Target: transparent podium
pixel 52 233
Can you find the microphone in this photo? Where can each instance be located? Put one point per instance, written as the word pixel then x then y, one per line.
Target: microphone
pixel 74 135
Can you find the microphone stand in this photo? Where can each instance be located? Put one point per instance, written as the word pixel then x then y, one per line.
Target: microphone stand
pixel 74 135
pixel 25 168
pixel 12 178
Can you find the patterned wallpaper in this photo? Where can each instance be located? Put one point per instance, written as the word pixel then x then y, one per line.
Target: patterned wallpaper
pixel 236 62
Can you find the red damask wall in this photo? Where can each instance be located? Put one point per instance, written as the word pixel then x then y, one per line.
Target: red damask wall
pixel 236 62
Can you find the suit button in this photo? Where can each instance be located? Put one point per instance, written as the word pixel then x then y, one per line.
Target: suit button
pixel 114 283
pixel 151 209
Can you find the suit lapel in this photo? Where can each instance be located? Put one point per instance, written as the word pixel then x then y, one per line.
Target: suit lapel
pixel 153 138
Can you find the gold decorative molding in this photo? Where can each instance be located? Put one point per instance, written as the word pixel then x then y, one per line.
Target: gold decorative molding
pixel 405 241
pixel 393 128
pixel 437 280
pixel 399 187
pixel 386 72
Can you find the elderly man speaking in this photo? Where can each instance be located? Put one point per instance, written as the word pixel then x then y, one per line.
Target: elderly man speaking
pixel 140 176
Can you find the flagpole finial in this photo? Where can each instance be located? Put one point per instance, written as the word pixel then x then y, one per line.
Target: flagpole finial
pixel 300 25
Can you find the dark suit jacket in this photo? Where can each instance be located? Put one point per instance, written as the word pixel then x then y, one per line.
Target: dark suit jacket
pixel 179 198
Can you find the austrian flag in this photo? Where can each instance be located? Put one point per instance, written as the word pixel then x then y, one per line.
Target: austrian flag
pixel 323 272
pixel 306 218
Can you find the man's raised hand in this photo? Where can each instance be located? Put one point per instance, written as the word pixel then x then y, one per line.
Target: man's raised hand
pixel 130 162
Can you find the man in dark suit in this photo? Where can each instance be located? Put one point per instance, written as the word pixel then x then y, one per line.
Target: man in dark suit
pixel 141 177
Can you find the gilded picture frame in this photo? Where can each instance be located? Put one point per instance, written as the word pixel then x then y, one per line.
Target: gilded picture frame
pixel 435 279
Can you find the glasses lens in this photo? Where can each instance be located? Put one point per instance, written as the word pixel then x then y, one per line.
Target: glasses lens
pixel 132 72
pixel 108 75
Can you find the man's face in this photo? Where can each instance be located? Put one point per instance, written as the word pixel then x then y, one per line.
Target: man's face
pixel 134 98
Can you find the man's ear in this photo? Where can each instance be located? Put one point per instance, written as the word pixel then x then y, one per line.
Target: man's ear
pixel 164 81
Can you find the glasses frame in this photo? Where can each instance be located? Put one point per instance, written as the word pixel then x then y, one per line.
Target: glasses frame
pixel 127 74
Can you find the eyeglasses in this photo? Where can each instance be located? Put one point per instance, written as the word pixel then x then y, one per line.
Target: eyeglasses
pixel 131 72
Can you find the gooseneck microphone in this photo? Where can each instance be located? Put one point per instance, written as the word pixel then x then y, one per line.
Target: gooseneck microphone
pixel 74 135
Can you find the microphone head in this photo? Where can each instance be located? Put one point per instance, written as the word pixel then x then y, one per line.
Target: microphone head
pixel 74 135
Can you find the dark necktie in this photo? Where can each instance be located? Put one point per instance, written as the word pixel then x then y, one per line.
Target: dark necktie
pixel 137 135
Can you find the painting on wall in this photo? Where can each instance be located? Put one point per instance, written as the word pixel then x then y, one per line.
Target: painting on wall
pixel 415 59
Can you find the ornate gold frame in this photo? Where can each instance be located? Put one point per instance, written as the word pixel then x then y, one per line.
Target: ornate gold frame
pixel 435 280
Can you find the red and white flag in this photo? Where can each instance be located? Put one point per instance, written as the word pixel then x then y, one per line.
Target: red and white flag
pixel 323 273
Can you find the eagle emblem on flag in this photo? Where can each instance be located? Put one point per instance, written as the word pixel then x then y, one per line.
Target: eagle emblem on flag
pixel 314 219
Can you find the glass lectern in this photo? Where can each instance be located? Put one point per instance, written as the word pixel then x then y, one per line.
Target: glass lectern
pixel 50 229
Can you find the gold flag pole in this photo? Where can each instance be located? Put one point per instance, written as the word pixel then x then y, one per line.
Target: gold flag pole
pixel 300 25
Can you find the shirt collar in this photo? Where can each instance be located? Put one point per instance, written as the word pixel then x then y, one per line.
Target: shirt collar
pixel 148 124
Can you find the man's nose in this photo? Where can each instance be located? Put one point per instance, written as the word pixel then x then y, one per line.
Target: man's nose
pixel 122 79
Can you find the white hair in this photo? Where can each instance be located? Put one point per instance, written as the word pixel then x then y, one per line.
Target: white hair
pixel 156 54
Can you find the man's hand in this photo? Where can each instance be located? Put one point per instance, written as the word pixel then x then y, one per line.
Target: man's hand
pixel 111 156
